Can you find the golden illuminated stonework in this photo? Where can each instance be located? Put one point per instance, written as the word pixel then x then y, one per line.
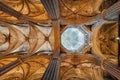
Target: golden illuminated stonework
pixel 59 40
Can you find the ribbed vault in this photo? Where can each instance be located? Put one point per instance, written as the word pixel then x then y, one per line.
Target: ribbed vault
pixel 30 39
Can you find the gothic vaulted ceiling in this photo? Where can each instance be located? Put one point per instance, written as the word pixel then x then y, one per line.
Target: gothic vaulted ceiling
pixel 79 38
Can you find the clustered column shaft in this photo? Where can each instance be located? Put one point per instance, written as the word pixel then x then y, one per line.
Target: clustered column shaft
pixel 52 70
pixel 112 69
pixel 112 12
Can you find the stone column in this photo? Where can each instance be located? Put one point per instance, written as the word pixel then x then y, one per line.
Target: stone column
pixel 112 12
pixel 112 69
pixel 52 8
pixel 52 71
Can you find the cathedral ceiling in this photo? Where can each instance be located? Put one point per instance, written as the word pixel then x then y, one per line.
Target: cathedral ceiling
pixel 7 60
pixel 31 40
pixel 26 39
pixel 81 11
pixel 30 8
pixel 105 40
pixel 32 69
pixel 77 66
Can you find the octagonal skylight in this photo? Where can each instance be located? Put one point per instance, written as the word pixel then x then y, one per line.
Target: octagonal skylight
pixel 74 39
